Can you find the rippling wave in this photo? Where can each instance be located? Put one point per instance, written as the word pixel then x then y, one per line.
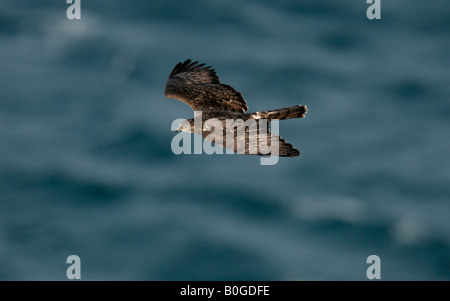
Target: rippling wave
pixel 87 169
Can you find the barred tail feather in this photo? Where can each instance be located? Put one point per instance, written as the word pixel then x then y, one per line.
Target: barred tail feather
pixel 285 113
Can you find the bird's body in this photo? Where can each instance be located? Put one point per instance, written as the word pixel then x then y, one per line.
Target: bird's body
pixel 200 88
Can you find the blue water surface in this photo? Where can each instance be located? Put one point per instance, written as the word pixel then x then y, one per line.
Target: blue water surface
pixel 86 166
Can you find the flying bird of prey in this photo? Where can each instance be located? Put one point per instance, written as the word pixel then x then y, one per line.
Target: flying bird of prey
pixel 199 87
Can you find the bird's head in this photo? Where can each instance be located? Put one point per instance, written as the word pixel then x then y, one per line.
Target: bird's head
pixel 186 126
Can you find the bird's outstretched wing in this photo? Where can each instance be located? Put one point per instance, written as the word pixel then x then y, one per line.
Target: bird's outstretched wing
pixel 251 141
pixel 200 88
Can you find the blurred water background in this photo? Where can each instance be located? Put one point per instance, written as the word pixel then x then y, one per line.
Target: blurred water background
pixel 86 166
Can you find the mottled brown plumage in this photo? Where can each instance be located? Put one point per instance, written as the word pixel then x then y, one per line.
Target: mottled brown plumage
pixel 200 88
